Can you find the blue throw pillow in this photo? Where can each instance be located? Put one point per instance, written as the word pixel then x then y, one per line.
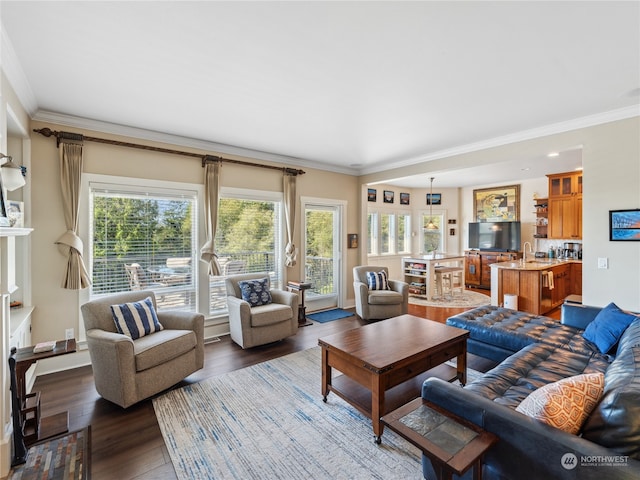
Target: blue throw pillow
pixel 378 280
pixel 256 292
pixel 136 319
pixel 606 329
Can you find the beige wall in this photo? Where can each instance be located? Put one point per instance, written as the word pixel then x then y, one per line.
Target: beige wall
pixel 57 308
pixel 611 180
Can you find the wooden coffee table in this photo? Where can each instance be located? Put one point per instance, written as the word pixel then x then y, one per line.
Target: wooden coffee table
pixel 384 364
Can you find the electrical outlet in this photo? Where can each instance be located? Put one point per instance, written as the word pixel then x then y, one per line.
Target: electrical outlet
pixel 603 262
pixel 69 334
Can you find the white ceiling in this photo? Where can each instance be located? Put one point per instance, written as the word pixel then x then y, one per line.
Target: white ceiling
pixel 357 87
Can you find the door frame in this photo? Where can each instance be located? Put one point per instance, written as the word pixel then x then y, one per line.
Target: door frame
pixel 339 237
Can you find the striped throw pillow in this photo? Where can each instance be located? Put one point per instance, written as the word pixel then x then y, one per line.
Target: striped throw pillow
pixel 378 280
pixel 136 319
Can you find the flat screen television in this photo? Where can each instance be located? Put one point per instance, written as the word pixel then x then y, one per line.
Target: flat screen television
pixel 498 236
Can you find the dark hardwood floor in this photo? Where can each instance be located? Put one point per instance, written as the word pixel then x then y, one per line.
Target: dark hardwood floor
pixel 127 444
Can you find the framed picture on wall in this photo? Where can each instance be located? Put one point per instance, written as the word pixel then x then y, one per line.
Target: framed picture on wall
pixel 352 240
pixel 497 204
pixel 4 217
pixel 388 196
pixel 624 225
pixel 15 212
pixel 404 198
pixel 434 199
pixel 372 194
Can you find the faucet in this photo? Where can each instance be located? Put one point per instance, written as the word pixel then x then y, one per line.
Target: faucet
pixel 524 250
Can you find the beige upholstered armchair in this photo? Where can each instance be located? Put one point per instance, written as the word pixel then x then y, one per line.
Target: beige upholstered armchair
pixel 379 304
pixel 126 370
pixel 257 325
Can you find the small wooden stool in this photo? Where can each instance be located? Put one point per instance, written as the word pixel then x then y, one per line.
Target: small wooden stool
pixel 450 278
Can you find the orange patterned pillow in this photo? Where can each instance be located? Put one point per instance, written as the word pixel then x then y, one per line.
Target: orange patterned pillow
pixel 567 403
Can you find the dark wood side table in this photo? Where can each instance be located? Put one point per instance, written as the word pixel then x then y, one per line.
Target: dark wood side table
pixel 28 426
pixel 302 314
pixel 453 444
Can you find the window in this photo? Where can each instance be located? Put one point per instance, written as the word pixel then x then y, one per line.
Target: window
pixel 388 233
pixel 248 239
pixel 372 233
pixel 144 238
pixel 432 240
pixel 404 233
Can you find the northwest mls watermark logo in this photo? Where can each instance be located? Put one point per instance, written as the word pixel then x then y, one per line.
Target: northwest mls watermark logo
pixel 569 461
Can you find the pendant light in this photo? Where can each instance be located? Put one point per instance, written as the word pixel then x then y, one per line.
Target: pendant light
pixel 431 225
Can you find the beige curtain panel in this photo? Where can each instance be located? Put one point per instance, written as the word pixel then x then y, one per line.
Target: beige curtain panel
pixel 289 188
pixel 211 194
pixel 76 276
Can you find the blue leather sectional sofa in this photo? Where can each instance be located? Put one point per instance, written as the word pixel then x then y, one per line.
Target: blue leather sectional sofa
pixel 535 351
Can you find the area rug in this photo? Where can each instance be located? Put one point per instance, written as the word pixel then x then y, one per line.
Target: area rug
pixel 269 421
pixel 62 458
pixel 329 315
pixel 467 299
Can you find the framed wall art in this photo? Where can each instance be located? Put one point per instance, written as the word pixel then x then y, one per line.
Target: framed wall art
pixel 434 199
pixel 497 204
pixel 624 225
pixel 352 240
pixel 15 212
pixel 388 196
pixel 404 198
pixel 4 217
pixel 372 194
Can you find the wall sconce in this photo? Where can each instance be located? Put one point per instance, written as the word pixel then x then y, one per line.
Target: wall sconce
pixel 12 174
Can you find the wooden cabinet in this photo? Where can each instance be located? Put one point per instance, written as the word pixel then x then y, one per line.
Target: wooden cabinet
pixel 473 268
pixel 478 266
pixel 532 286
pixel 565 205
pixel 541 206
pixel 562 284
pixel 576 278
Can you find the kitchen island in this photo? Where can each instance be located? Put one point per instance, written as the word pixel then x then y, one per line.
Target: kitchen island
pixel 540 284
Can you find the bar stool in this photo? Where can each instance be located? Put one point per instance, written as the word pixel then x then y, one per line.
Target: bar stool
pixel 449 278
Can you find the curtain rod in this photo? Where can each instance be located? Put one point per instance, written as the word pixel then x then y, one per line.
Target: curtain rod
pixel 47 132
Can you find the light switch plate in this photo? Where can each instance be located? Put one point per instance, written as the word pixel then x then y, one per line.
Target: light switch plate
pixel 603 262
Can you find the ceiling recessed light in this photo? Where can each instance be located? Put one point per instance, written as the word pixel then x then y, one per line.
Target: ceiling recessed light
pixel 355 165
pixel 525 169
pixel 553 154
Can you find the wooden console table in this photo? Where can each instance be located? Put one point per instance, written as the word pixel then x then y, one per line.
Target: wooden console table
pixel 28 426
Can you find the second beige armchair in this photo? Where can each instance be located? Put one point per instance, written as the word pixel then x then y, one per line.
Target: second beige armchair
pixel 267 322
pixel 373 303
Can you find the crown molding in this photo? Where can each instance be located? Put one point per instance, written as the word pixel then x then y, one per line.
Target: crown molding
pixel 555 128
pixel 15 74
pixel 178 140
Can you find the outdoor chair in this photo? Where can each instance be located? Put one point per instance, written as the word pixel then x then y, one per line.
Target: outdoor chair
pixel 138 279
